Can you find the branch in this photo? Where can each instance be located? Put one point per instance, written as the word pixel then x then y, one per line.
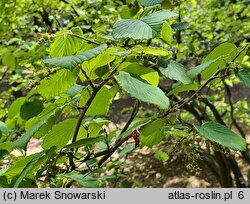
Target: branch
pixel 120 141
pixel 86 76
pixel 86 39
pixel 85 108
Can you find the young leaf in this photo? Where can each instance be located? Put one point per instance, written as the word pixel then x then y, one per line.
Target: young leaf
pixel 145 73
pixel 174 70
pixel 61 81
pixel 70 62
pixel 223 135
pixel 14 108
pixel 192 73
pixel 141 90
pixel 225 52
pixel 100 104
pixel 65 44
pixel 182 88
pixel 166 33
pixel 156 51
pixel 244 76
pixel 99 61
pixel 60 134
pixel 147 27
pixel 152 133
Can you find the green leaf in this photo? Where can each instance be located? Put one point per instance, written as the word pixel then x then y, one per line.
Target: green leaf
pixel 85 142
pixel 127 149
pixel 99 61
pixel 53 111
pixel 128 12
pixel 17 167
pixel 22 141
pixel 223 135
pixel 83 180
pixel 225 52
pixel 150 2
pixel 74 90
pixel 162 156
pixel 4 129
pixel 192 73
pixel 9 60
pixel 166 33
pixel 28 168
pixel 145 73
pixel 60 134
pixel 244 76
pixel 182 88
pixel 152 133
pixel 179 26
pixel 65 44
pixel 61 81
pixel 147 27
pixel 141 90
pixel 101 103
pixel 31 109
pixel 156 51
pixel 6 146
pixel 174 70
pixel 14 109
pixel 70 62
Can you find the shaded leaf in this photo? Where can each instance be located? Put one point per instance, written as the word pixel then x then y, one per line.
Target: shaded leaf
pixel 147 27
pixel 244 76
pixel 83 180
pixel 85 142
pixel 70 62
pixel 174 70
pixel 31 109
pixel 223 135
pixel 179 26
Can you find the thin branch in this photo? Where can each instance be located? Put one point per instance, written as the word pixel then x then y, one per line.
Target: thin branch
pixel 85 108
pixel 86 39
pixel 120 141
pixel 86 76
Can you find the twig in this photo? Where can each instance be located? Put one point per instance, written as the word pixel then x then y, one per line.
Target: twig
pixel 88 103
pixel 86 76
pixel 120 141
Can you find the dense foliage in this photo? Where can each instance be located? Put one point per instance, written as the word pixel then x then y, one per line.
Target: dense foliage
pixel 65 63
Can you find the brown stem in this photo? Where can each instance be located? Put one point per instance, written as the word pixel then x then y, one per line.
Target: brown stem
pixel 85 108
